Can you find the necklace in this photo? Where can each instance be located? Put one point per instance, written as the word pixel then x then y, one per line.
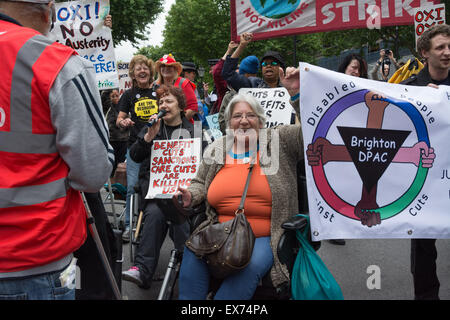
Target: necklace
pixel 245 157
pixel 167 135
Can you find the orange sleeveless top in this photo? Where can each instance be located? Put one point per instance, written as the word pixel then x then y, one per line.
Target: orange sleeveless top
pixel 225 193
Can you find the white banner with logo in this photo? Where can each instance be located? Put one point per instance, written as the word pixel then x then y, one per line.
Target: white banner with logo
pixel 79 25
pixel 377 157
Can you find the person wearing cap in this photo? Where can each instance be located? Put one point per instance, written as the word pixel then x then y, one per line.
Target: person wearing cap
pixel 270 64
pixel 190 72
pixel 169 71
pixel 53 144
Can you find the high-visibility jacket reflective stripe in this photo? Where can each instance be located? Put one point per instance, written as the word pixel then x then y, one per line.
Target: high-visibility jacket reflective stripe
pixel 29 195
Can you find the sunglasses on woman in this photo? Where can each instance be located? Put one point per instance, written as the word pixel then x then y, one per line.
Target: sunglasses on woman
pixel 273 63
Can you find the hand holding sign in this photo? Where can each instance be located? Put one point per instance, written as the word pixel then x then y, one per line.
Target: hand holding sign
pixel 290 80
pixel 185 196
pixel 108 21
pixel 246 38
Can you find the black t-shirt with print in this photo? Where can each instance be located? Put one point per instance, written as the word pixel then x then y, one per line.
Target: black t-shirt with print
pixel 140 104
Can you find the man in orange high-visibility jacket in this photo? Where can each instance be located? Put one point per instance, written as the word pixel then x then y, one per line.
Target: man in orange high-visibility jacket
pixel 53 144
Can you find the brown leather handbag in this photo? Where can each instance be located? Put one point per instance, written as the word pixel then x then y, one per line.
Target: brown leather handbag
pixel 226 247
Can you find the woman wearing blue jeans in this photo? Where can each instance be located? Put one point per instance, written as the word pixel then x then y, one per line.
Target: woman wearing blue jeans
pixel 239 286
pixel 220 181
pixel 136 105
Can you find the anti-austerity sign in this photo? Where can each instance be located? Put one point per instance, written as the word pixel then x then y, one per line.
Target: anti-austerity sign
pixel 79 24
pixel 275 102
pixel 377 157
pixel 173 164
pixel 276 18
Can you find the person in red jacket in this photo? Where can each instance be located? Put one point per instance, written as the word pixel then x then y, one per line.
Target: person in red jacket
pixel 169 71
pixel 53 144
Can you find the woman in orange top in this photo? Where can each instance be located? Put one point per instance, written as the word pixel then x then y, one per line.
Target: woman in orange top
pixel 220 182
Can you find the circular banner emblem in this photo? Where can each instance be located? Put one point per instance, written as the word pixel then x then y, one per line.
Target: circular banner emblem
pixel 275 9
pixel 371 149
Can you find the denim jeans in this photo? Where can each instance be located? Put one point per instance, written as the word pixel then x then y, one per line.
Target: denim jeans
pixel 45 286
pixel 132 180
pixel 194 275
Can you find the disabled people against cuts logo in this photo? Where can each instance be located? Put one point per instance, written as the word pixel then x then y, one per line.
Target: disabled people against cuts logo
pixel 370 155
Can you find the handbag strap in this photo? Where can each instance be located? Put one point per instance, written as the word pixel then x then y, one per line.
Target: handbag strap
pixel 244 194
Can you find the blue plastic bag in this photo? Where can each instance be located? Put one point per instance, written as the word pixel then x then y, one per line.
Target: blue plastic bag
pixel 311 279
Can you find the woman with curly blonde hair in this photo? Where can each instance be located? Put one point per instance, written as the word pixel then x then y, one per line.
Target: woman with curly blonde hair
pixel 136 106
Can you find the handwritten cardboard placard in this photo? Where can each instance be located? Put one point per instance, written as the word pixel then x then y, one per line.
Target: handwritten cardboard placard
pixel 80 25
pixel 173 164
pixel 275 102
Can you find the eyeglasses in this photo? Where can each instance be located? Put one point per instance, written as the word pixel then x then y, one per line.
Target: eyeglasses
pixel 273 63
pixel 239 116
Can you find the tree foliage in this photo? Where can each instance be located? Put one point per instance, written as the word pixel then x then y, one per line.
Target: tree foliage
pixel 130 18
pixel 198 30
pixel 392 37
pixel 152 52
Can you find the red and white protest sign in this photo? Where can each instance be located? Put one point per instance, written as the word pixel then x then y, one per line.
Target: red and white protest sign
pixel 427 17
pixel 173 164
pixel 276 18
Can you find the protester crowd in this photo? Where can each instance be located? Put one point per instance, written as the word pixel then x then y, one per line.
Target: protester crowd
pixel 82 139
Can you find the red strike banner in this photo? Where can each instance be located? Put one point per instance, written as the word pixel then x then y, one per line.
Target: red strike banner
pixel 276 18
